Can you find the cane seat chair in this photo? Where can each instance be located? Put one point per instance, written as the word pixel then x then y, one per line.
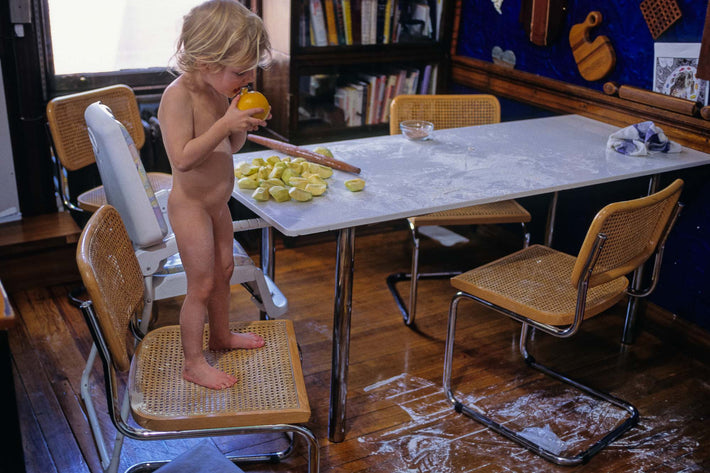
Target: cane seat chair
pixel 158 404
pixel 72 148
pixel 554 292
pixel 448 111
pixel 144 214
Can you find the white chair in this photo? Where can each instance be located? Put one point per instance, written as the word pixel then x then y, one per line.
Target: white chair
pixel 144 213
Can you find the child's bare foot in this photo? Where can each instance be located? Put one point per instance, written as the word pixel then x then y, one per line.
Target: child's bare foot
pixel 237 340
pixel 200 372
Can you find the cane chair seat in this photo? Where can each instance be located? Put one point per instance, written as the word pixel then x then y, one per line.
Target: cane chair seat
pixel 524 282
pixel 507 211
pixel 269 389
pixel 72 147
pixel 448 111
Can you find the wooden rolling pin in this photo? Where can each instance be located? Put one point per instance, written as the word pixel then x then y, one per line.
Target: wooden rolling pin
pixel 293 150
pixel 654 99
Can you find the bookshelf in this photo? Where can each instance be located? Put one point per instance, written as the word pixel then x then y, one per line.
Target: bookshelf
pixel 332 81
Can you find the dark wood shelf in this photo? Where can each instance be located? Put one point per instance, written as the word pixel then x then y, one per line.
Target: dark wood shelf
pixel 281 83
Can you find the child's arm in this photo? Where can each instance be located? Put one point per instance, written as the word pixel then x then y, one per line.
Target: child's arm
pixel 187 151
pixel 237 139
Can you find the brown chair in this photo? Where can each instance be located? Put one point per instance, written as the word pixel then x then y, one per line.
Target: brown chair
pixel 448 111
pixel 269 396
pixel 554 293
pixel 72 148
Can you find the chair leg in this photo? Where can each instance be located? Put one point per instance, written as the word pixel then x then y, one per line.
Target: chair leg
pixel 147 305
pixel 534 447
pixel 304 433
pixel 414 276
pixel 414 279
pixel 408 314
pixel 526 235
pixel 109 463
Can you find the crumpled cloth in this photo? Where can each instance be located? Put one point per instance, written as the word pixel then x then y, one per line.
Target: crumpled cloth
pixel 203 458
pixel 640 139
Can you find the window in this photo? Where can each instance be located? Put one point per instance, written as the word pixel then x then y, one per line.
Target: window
pixel 94 36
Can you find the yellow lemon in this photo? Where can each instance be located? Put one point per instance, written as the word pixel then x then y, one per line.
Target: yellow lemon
pixel 254 99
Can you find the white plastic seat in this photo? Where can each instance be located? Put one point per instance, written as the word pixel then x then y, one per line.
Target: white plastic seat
pixel 144 213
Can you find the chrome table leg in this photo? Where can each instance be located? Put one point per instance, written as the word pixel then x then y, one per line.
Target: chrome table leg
pixel 341 333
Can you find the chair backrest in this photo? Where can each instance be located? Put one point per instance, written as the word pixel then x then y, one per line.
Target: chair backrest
pixel 65 116
pixel 125 182
pixel 633 230
pixel 110 272
pixel 445 111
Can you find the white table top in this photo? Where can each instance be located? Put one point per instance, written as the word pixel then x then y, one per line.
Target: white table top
pixel 461 167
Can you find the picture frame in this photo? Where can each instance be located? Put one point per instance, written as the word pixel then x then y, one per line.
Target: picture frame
pixel 674 68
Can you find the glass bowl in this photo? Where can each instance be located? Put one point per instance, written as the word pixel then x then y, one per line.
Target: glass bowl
pixel 416 130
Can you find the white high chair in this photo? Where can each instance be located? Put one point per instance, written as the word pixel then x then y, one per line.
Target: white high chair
pixel 144 213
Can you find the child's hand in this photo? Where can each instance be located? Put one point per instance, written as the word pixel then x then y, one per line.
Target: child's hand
pixel 243 120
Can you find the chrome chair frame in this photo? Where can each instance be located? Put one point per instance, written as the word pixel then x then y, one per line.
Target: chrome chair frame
pixel 445 111
pixel 119 415
pixel 112 274
pixel 561 332
pixel 409 311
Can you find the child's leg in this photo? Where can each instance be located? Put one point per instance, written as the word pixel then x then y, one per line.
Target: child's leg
pixel 193 229
pixel 221 337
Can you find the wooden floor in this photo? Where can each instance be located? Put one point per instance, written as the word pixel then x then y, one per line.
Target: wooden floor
pixel 397 417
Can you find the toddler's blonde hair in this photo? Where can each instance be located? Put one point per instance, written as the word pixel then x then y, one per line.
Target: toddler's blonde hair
pixel 222 33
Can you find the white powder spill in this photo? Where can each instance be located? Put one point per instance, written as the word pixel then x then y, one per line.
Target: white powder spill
pixel 545 437
pixel 436 438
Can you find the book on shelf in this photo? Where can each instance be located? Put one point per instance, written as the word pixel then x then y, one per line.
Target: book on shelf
pixel 432 81
pixel 365 98
pixel 304 35
pixel 412 81
pixel 347 22
pixel 346 6
pixel 426 77
pixel 319 34
pixel 339 21
pixel 330 22
pixel 356 20
pixel 368 18
pixel 380 21
pixel 389 95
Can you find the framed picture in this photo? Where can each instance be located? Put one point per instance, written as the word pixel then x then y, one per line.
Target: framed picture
pixel 674 68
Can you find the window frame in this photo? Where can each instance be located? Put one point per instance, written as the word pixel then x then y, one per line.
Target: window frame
pixel 142 81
